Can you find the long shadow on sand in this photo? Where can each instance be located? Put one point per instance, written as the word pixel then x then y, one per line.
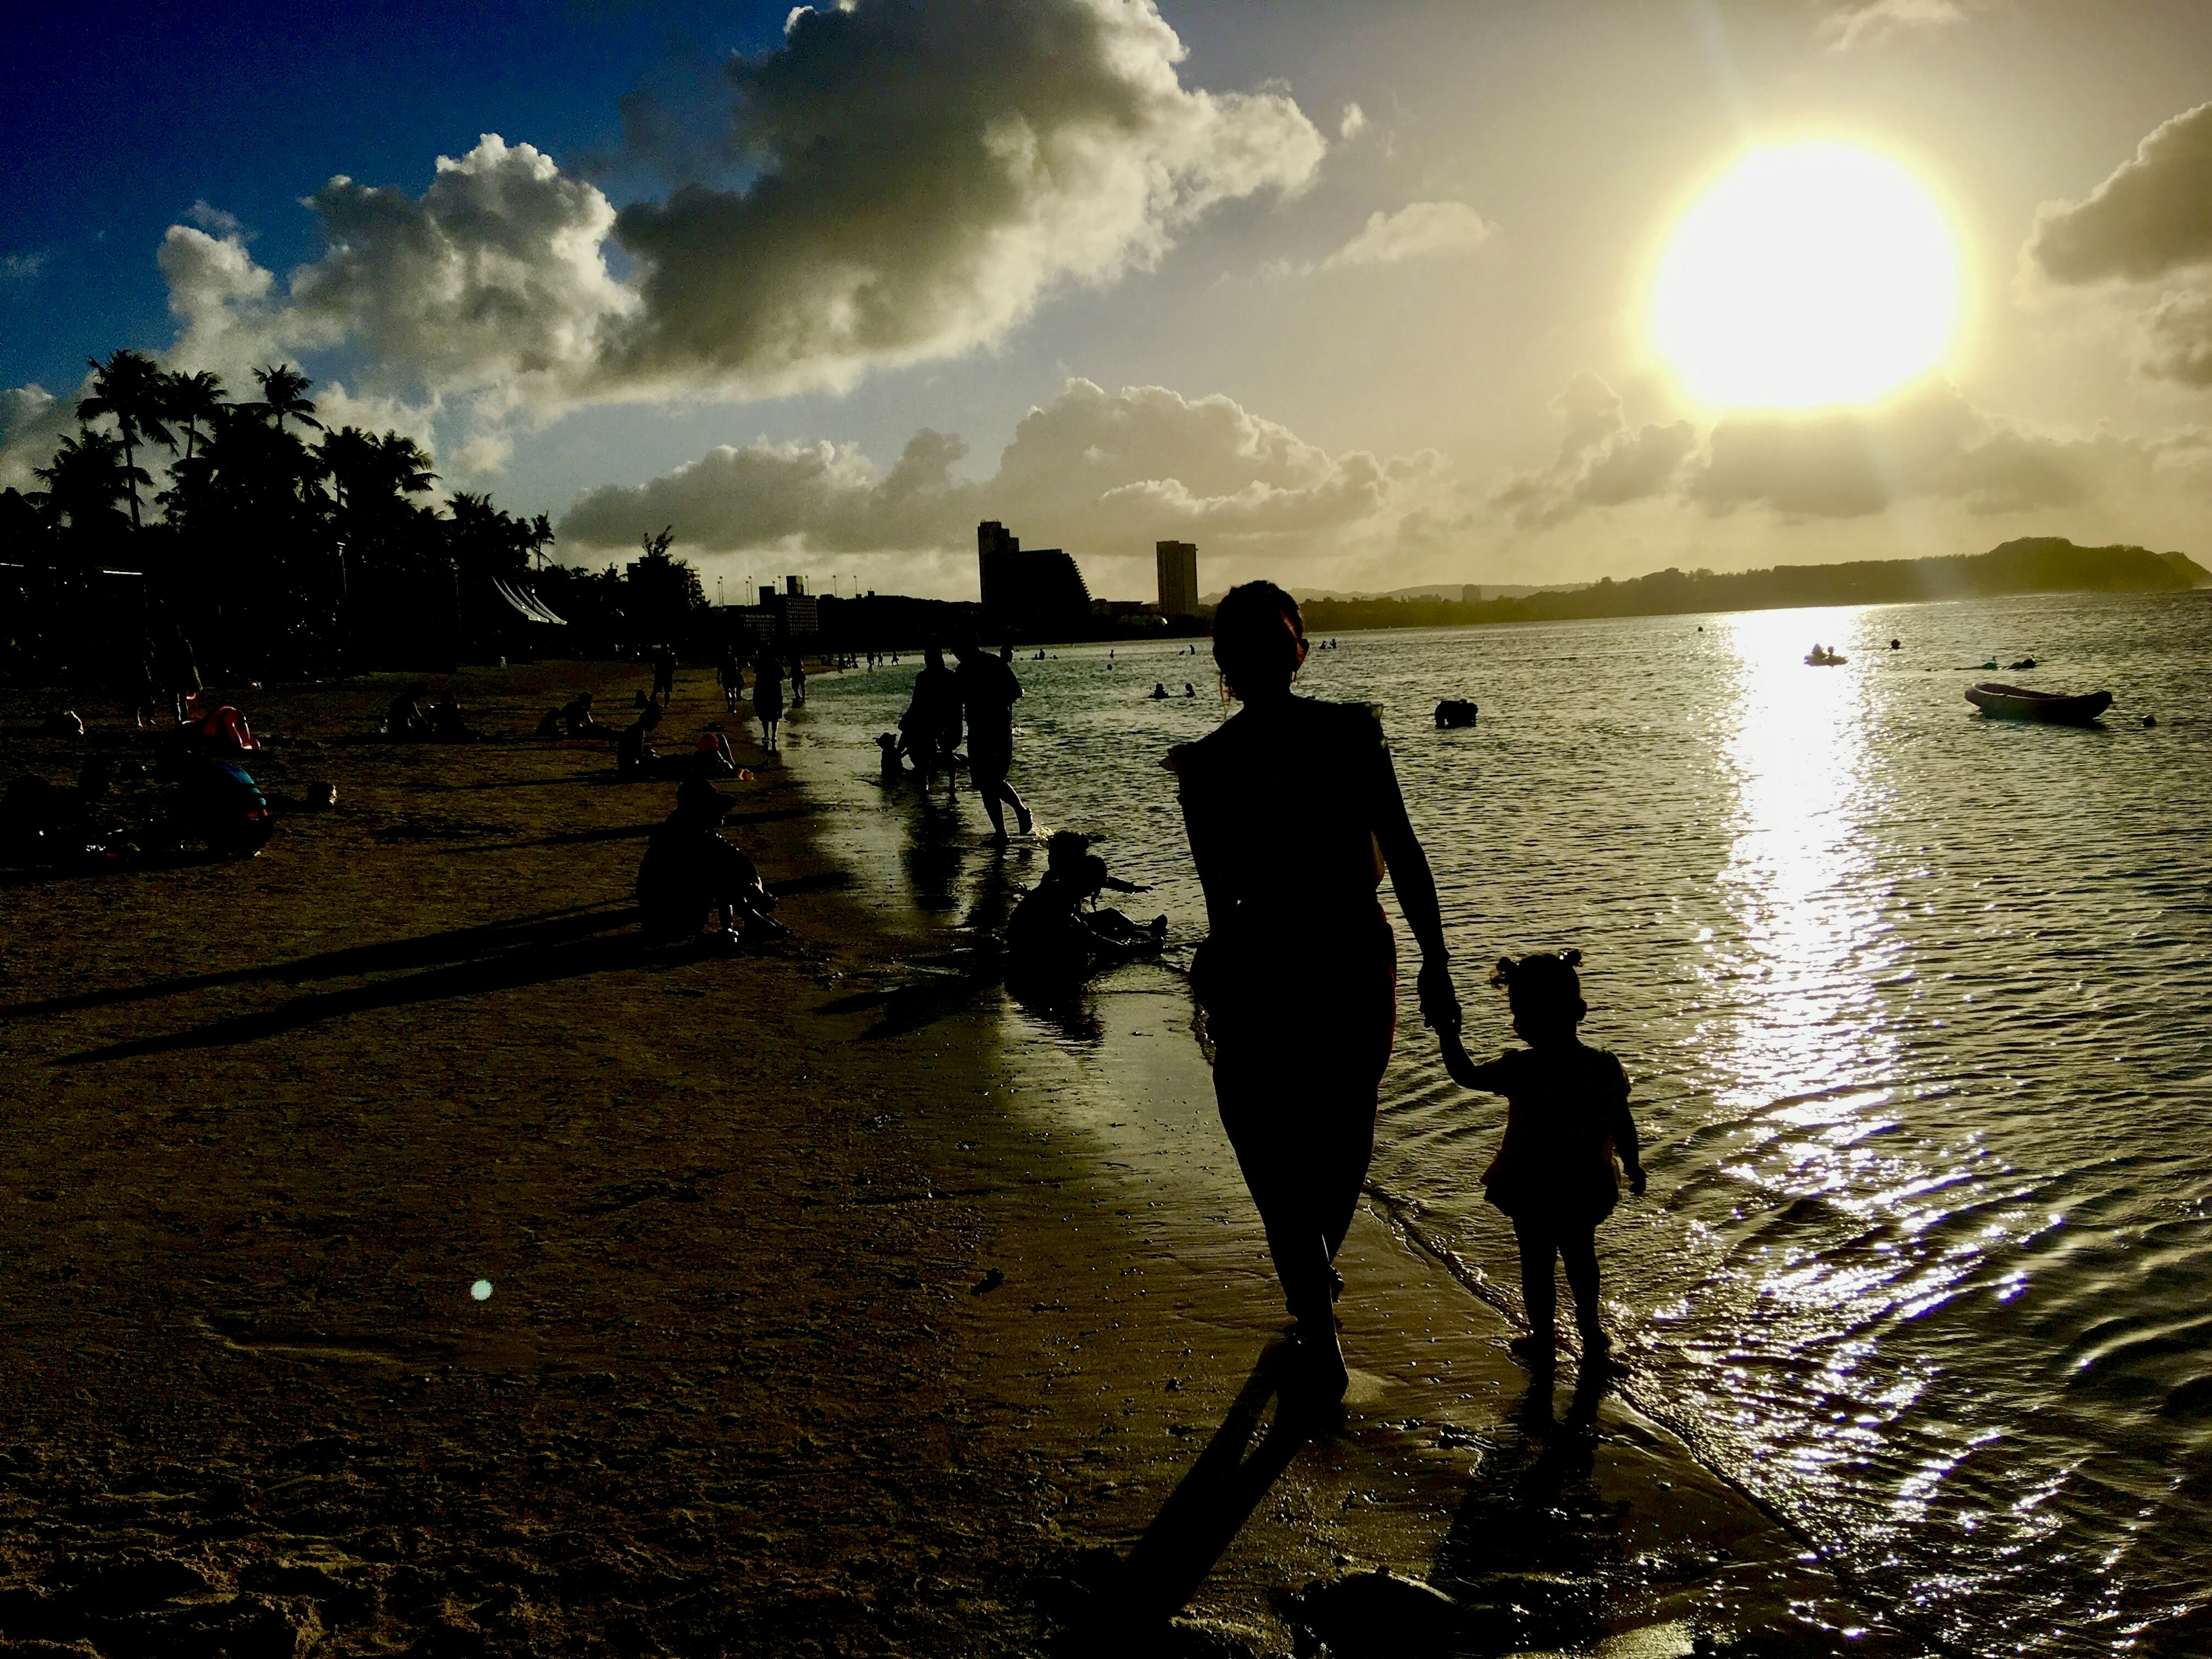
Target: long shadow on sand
pixel 456 945
pixel 1116 1605
pixel 536 955
pixel 1534 1544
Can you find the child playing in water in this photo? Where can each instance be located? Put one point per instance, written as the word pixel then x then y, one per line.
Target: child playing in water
pixel 1568 1139
pixel 1054 925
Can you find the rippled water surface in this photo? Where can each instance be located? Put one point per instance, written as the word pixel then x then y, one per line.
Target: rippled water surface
pixel 1918 1006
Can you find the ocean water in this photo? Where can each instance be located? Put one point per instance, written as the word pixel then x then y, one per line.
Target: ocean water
pixel 1918 1009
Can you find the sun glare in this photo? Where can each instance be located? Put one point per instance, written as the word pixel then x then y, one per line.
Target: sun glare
pixel 1812 274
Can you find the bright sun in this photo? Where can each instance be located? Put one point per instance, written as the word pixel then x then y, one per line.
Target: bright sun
pixel 1812 274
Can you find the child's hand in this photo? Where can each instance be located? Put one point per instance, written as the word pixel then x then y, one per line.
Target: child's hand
pixel 1457 1060
pixel 1636 1181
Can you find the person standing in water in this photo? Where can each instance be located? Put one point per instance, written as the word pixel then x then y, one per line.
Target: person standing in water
pixel 988 692
pixel 767 698
pixel 1298 971
pixel 1569 1138
pixel 931 725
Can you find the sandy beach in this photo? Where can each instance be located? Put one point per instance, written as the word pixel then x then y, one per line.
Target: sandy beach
pixel 824 1315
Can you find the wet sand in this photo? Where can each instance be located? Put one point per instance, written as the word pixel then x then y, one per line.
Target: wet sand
pixel 826 1316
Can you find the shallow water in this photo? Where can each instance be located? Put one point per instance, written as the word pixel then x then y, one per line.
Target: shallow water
pixel 1914 1003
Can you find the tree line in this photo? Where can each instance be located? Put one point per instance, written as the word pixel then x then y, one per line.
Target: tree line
pixel 282 546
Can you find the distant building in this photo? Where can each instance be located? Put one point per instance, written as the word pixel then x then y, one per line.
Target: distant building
pixel 794 613
pixel 1178 568
pixel 1037 594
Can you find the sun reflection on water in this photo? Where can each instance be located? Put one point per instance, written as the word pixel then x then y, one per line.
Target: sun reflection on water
pixel 1802 850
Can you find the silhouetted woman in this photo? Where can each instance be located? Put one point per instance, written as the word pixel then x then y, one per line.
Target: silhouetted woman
pixel 1293 811
pixel 767 699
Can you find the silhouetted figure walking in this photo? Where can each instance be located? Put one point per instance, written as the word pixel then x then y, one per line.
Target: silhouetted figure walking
pixel 664 674
pixel 1298 971
pixel 731 675
pixel 988 692
pixel 1567 1122
pixel 768 700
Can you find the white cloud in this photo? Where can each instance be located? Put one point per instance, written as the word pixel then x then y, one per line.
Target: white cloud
pixel 920 178
pixel 1103 474
pixel 21 267
pixel 2149 223
pixel 31 420
pixel 1935 445
pixel 1418 230
pixel 2152 215
pixel 1602 461
pixel 1853 25
pixel 1352 124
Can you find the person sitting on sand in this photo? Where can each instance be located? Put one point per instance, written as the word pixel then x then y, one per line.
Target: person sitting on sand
pixel 1056 925
pixel 447 723
pixel 405 718
pixel 1567 1137
pixel 41 824
pixel 576 717
pixel 1159 689
pixel 216 802
pixel 691 871
pixel 634 759
pixel 711 754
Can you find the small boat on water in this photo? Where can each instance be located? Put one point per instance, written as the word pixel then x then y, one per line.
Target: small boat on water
pixel 1826 660
pixel 2017 702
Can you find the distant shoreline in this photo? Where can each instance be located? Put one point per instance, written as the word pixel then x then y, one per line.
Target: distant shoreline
pixel 2031 565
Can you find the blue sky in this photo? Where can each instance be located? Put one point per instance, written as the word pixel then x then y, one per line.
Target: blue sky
pixel 119 118
pixel 1374 311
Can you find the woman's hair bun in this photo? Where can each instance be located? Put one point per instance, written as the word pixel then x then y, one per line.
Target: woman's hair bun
pixel 1572 958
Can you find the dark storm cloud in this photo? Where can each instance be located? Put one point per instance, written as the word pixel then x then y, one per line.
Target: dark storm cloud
pixel 2152 215
pixel 926 172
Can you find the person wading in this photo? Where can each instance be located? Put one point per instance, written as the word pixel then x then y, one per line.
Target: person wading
pixel 1293 811
pixel 988 692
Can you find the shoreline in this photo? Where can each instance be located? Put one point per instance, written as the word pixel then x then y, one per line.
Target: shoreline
pixel 745 1382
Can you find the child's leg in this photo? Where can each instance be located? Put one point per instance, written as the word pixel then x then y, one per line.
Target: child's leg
pixel 1578 1248
pixel 1539 1290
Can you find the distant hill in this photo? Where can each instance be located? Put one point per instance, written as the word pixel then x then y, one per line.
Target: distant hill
pixel 2033 564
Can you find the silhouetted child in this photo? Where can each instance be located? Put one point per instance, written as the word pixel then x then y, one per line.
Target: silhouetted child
pixel 1055 927
pixel 1568 1138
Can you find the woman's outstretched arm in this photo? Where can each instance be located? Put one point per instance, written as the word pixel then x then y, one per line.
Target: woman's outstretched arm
pixel 1416 887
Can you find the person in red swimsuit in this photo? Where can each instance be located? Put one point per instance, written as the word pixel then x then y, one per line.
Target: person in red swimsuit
pixel 1294 815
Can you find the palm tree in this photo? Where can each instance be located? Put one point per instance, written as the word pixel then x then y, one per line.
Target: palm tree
pixel 406 467
pixel 284 392
pixel 130 389
pixel 88 474
pixel 191 400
